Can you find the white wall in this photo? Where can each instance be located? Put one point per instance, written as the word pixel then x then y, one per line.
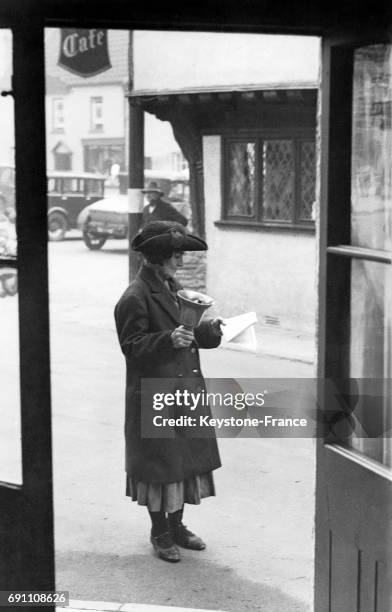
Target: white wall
pixel 270 272
pixel 77 120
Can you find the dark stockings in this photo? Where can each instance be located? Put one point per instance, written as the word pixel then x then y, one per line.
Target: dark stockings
pixel 161 524
pixel 175 518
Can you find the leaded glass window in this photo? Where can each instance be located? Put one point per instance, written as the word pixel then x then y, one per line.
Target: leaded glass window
pixel 270 181
pixel 278 180
pixel 241 192
pixel 308 180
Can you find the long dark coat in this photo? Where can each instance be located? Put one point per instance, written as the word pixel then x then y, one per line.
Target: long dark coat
pixel 146 315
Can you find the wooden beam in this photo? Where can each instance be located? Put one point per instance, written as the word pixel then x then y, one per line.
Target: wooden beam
pixel 248 96
pixel 185 99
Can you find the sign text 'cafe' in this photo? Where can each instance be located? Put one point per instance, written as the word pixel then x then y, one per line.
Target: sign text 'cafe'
pixel 84 51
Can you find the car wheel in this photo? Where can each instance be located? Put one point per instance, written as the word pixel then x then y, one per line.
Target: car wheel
pixel 94 243
pixel 57 226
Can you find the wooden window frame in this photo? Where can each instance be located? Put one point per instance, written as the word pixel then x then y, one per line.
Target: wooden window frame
pixel 59 158
pixel 336 249
pixel 257 221
pixel 95 126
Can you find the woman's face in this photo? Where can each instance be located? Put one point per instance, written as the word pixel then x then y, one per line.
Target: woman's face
pixel 171 265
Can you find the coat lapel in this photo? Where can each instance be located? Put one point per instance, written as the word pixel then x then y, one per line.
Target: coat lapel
pixel 160 293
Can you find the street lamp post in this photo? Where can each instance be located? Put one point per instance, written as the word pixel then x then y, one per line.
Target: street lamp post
pixel 135 169
pixel 135 182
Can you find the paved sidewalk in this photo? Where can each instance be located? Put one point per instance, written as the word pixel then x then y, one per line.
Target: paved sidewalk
pixel 282 343
pixel 272 341
pixel 76 605
pixel 260 554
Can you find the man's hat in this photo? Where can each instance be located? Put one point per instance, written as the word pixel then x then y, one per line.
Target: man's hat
pixel 152 187
pixel 166 236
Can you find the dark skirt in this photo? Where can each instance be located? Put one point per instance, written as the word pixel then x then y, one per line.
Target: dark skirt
pixel 171 496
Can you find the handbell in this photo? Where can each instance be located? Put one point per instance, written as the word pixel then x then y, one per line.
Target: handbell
pixel 193 306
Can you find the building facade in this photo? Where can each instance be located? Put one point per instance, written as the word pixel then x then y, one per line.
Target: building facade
pixel 87 118
pixel 247 124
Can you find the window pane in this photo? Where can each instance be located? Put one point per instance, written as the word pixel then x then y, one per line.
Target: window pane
pixel 372 148
pixel 371 207
pixel 62 161
pixel 278 180
pixel 370 355
pixel 368 319
pixel 94 187
pixel 70 185
pixel 97 114
pixel 308 180
pixel 10 429
pixel 241 187
pixel 100 158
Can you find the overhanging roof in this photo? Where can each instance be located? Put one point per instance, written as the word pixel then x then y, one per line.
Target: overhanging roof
pixel 205 97
pixel 247 88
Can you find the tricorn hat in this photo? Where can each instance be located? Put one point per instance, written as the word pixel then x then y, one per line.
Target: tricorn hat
pixel 152 187
pixel 166 236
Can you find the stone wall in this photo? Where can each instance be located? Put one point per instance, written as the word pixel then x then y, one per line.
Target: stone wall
pixel 193 274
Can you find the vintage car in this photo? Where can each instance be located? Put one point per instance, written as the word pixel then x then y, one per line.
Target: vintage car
pixel 68 194
pixel 108 218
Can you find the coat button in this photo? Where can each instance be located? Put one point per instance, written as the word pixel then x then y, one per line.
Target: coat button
pixel 193 350
pixel 196 371
pixel 180 375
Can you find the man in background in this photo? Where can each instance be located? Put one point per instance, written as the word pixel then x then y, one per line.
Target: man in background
pixel 158 209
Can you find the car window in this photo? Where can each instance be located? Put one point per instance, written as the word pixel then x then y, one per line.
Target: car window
pixel 70 185
pixel 54 185
pixel 179 191
pixel 94 187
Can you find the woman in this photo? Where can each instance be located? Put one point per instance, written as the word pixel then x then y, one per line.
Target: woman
pixel 164 473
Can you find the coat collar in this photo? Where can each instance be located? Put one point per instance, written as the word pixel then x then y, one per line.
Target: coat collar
pixel 159 292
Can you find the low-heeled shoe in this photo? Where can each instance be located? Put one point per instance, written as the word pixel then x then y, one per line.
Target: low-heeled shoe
pixel 185 538
pixel 165 547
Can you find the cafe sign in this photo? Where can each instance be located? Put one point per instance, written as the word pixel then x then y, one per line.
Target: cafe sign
pixel 84 51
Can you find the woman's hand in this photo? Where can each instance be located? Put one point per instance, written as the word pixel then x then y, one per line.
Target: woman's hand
pixel 216 325
pixel 182 337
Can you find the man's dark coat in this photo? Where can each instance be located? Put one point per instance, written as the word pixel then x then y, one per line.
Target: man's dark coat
pixel 146 315
pixel 163 211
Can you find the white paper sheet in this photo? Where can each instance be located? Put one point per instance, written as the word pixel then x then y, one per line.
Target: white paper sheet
pixel 239 332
